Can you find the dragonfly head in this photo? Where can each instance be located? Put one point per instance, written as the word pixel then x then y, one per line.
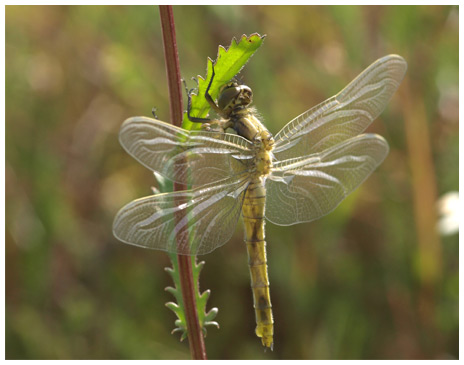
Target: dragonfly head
pixel 233 95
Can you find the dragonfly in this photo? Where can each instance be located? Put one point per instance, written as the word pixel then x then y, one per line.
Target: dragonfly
pixel 299 175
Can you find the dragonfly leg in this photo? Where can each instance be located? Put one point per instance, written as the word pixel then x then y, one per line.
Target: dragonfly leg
pixel 189 107
pixel 217 125
pixel 208 97
pixel 153 112
pixel 208 124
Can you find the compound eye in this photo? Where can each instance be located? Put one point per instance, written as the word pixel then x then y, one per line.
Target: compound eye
pixel 228 95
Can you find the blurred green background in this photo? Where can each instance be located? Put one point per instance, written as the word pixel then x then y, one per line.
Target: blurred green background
pixel 375 279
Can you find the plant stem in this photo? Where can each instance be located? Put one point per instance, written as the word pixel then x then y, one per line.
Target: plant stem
pixel 172 64
pixel 195 335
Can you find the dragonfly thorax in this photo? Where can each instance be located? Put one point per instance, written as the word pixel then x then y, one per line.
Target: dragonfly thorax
pixel 234 102
pixel 247 125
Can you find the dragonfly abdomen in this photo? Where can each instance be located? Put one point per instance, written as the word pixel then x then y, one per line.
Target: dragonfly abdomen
pixel 253 218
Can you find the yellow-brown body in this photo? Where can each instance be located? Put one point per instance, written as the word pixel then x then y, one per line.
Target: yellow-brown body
pixel 233 107
pixel 253 218
pixel 253 212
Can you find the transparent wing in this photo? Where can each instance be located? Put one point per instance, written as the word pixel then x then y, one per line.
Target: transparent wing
pixel 192 222
pixel 306 188
pixel 344 115
pixel 194 157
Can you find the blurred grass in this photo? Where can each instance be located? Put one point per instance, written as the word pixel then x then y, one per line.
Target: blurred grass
pixel 371 280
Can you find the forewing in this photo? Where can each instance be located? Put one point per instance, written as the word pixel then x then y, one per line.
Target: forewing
pixel 192 222
pixel 344 115
pixel 193 157
pixel 306 188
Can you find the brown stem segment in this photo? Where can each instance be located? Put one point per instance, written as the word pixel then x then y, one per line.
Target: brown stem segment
pixel 195 335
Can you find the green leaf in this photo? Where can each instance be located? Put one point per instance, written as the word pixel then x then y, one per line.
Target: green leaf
pixel 228 63
pixel 205 318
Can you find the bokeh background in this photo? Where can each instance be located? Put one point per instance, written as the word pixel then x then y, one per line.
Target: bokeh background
pixel 375 279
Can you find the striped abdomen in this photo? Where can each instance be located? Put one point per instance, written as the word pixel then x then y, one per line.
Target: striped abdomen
pixel 253 218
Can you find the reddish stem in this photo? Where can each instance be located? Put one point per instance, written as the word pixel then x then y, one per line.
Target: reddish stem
pixel 195 335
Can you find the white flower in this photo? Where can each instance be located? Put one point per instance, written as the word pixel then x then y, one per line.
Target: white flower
pixel 448 210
